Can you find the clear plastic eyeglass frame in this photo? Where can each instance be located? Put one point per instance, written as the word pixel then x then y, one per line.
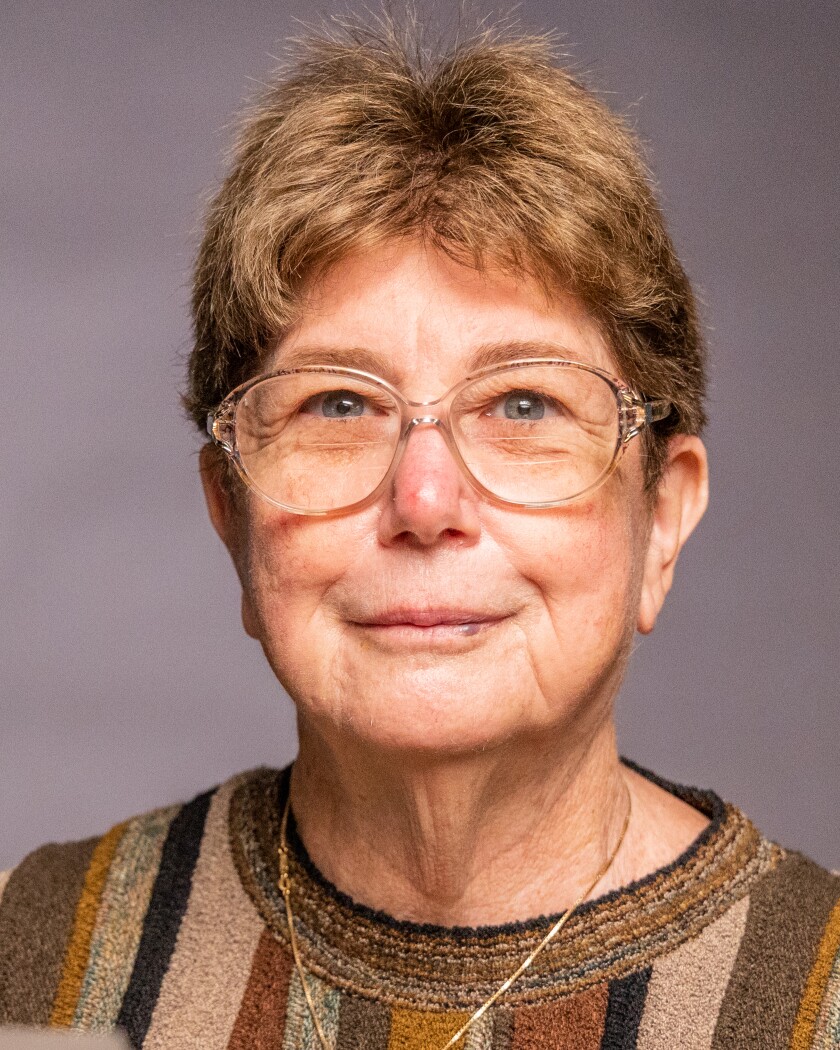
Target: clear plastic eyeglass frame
pixel 634 414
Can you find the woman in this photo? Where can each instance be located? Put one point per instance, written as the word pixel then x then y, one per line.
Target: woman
pixel 452 375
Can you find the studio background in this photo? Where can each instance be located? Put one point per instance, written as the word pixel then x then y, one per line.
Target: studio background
pixel 126 680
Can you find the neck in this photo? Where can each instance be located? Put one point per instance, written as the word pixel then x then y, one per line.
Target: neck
pixel 471 840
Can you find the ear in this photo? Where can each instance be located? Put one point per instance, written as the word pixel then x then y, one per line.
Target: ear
pixel 220 502
pixel 227 518
pixel 680 501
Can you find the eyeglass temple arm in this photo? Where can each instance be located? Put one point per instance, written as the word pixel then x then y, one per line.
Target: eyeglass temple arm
pixel 638 414
pixel 219 426
pixel 656 410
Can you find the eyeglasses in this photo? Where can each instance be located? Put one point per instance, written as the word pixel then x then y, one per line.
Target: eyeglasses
pixel 534 433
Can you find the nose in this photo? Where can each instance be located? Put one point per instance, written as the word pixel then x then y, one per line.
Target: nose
pixel 430 499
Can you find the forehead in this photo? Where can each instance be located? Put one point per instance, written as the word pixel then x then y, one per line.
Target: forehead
pixel 411 314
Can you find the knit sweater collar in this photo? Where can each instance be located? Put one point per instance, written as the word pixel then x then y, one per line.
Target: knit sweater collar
pixel 424 966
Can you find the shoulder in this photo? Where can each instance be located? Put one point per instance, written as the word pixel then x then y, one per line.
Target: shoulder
pixel 65 903
pixel 785 975
pixel 769 955
pixel 800 883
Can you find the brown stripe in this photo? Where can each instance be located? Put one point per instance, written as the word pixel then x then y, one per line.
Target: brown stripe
pixel 687 986
pixel 575 1023
pixel 809 1008
pixel 36 920
pixel 262 1016
pixel 788 913
pixel 353 950
pixel 203 986
pixel 78 950
pixel 502 1038
pixel 362 1022
pixel 482 1035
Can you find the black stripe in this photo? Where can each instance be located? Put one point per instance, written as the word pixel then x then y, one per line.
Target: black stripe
pixel 168 903
pixel 624 1010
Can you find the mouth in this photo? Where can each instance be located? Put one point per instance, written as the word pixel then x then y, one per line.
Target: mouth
pixel 428 625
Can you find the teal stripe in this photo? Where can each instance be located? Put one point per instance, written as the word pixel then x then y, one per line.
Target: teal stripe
pixel 828 1026
pixel 119 924
pixel 300 1033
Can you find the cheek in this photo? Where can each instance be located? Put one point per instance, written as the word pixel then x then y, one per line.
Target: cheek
pixel 290 562
pixel 583 564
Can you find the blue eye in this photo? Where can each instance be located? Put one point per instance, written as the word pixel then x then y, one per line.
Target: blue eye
pixel 524 404
pixel 342 404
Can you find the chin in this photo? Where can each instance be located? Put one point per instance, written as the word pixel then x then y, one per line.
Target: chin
pixel 433 716
pixel 410 717
pixel 421 739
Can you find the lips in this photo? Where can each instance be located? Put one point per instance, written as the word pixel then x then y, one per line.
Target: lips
pixel 428 618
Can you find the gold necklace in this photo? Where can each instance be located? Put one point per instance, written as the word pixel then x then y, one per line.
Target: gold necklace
pixel 285 885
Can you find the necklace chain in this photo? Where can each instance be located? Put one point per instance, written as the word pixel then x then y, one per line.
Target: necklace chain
pixel 284 883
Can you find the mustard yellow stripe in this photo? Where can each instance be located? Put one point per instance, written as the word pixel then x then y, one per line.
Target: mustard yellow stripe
pixel 78 948
pixel 423 1030
pixel 119 921
pixel 809 1008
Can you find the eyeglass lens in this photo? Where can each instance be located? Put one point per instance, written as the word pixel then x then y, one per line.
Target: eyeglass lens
pixel 320 441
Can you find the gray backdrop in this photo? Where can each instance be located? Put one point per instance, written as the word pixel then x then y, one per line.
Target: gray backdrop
pixel 125 678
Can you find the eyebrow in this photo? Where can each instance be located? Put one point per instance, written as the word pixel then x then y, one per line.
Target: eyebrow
pixel 359 357
pixel 383 365
pixel 502 352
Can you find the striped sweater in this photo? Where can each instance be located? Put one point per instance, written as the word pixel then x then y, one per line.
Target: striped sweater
pixel 171 926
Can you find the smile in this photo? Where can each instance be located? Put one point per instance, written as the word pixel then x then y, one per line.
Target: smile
pixel 422 628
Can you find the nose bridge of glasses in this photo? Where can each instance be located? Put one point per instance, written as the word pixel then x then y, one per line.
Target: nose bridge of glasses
pixel 438 423
pixel 412 422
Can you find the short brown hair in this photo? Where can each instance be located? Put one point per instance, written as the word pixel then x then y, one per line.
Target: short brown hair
pixel 492 152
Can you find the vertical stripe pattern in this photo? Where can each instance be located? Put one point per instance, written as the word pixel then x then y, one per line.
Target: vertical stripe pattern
pixel 116 936
pixel 169 902
pixel 502 1034
pixel 172 925
pixel 300 1033
pixel 815 989
pixel 36 921
pixel 624 1010
pixel 261 1020
pixel 76 958
pixel 786 917
pixel 687 986
pixel 573 1023
pixel 481 1036
pixel 827 1035
pixel 208 971
pixel 423 1030
pixel 363 1023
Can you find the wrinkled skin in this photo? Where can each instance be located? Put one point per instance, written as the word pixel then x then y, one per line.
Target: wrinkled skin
pixel 438 711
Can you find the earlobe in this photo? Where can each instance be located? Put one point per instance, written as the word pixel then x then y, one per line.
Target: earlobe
pixel 681 499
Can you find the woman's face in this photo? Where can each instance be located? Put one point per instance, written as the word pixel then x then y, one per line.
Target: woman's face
pixel 434 619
